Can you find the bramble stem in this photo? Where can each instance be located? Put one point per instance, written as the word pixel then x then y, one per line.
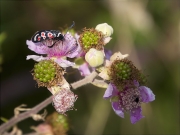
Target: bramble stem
pixel 43 104
pixel 86 80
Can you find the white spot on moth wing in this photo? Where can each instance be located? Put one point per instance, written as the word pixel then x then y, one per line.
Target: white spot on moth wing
pixel 35 37
pixel 54 34
pixel 58 34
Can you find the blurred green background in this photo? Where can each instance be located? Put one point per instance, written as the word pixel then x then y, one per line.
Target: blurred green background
pixel 148 30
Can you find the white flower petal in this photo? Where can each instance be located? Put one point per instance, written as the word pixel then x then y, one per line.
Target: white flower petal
pixel 118 55
pixel 108 63
pixel 64 63
pixel 107 39
pixel 106 29
pixel 35 58
pixel 104 74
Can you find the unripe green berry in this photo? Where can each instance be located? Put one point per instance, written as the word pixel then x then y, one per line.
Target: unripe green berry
pixel 44 71
pixel 37 75
pixel 123 70
pixel 91 38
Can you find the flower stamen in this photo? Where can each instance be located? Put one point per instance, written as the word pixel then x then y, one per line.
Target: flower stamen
pixel 130 99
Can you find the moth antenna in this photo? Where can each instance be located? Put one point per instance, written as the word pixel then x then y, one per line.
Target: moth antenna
pixel 70 27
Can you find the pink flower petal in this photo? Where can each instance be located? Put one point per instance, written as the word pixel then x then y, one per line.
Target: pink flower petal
pixel 84 69
pixel 147 94
pixel 110 91
pixel 117 109
pixel 64 63
pixel 136 115
pixel 40 49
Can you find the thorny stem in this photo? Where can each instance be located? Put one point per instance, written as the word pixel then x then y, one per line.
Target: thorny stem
pixel 37 108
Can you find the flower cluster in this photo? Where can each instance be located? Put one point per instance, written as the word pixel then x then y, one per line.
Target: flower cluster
pixel 92 42
pixel 49 71
pixel 86 52
pixel 126 88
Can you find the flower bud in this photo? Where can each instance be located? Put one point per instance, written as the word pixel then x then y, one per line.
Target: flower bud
pixel 106 29
pixel 94 57
pixel 43 129
pixel 58 122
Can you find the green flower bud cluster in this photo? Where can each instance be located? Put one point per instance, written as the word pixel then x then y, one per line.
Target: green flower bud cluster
pixel 89 39
pixel 123 70
pixel 61 119
pixel 44 71
pixel 58 122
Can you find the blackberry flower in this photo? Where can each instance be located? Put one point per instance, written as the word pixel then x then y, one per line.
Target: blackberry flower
pixel 105 71
pixel 125 88
pixel 63 97
pixel 91 38
pixel 95 38
pixel 129 100
pixel 63 100
pixel 120 71
pixel 47 73
pixel 92 42
pixel 62 49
